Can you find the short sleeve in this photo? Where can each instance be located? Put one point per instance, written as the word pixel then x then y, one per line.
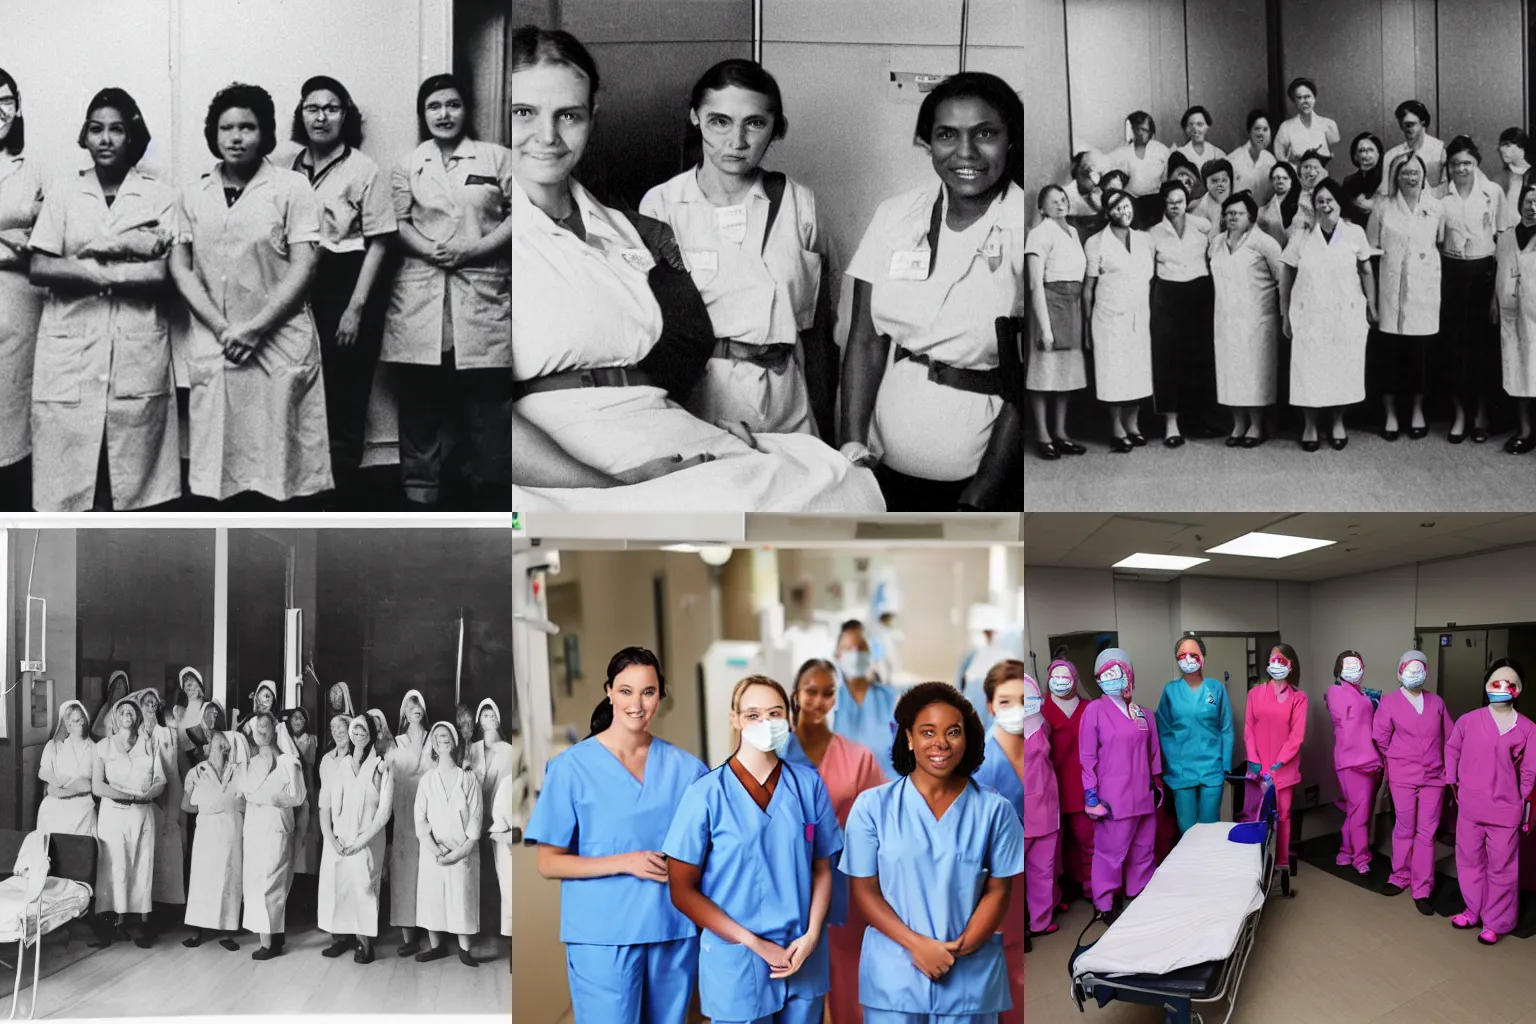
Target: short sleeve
pixel 303 213
pixel 400 190
pixel 1291 255
pixel 1094 253
pixel 828 839
pixel 861 840
pixel 47 235
pixel 553 822
pixel 652 206
pixel 378 206
pixel 184 218
pixel 1363 249
pixel 872 259
pixel 1006 851
pixel 688 837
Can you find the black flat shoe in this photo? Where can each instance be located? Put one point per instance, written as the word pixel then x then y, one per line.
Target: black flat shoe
pixel 194 941
pixel 1121 445
pixel 1137 439
pixel 337 948
pixel 1069 447
pixel 1456 438
pixel 1311 446
pixel 265 953
pixel 230 944
pixel 408 949
pixel 1251 441
pixel 1391 890
pixel 1389 435
pixel 1338 443
pixel 1047 450
pixel 1479 435
pixel 1519 445
pixel 1417 432
pixel 466 959
pixel 1424 906
pixel 1234 440
pixel 435 953
pixel 362 957
pixel 1176 441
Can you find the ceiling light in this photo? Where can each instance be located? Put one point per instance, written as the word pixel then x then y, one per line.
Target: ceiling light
pixel 715 555
pixel 1267 545
pixel 682 549
pixel 1160 563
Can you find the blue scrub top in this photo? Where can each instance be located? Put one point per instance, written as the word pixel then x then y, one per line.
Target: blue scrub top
pixel 594 807
pixel 996 773
pixel 933 873
pixel 837 913
pixel 872 723
pixel 1195 729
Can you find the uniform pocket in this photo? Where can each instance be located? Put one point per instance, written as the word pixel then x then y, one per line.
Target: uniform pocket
pixel 141 364
pixel 483 314
pixel 804 283
pixel 732 980
pixel 57 369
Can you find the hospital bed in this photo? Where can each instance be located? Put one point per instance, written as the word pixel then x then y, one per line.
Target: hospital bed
pixel 1185 941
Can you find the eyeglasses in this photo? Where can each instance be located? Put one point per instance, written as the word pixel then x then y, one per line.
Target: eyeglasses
pixel 310 109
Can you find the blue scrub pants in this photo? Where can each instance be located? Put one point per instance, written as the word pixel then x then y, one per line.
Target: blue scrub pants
pixel 1197 804
pixel 897 1017
pixel 650 983
pixel 796 1011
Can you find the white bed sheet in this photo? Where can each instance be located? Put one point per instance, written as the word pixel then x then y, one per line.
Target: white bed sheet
pixel 1190 913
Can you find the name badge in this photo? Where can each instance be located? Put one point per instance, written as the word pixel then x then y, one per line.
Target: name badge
pixel 702 261
pixel 640 259
pixel 910 264
pixel 731 222
pixel 810 832
pixel 993 251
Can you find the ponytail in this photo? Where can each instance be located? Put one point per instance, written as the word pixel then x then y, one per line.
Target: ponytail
pixel 602 715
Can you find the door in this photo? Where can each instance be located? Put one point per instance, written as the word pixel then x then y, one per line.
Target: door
pixel 1081 649
pixel 1463 661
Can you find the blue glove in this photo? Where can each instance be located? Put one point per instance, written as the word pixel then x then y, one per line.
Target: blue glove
pixel 1375 696
pixel 1277 766
pixel 1253 767
pixel 1091 797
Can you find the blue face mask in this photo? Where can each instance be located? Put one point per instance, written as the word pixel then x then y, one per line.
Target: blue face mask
pixel 1112 682
pixel 1500 698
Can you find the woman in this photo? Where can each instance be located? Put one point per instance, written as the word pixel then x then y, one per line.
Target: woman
pixel 272 783
pixel 504 831
pixel 1308 129
pixel 866 706
pixel 357 221
pixel 599 824
pixel 407 757
pixel 1183 170
pixel 117 689
pixel 1245 277
pixel 1216 176
pixel 938 265
pixel 1194 728
pixel 846 769
pixel 1274 726
pixel 21 304
pixel 253 354
pixel 1474 208
pixel 490 758
pixel 128 778
pixel 762 956
pixel 355 804
pixel 1063 713
pixel 1356 760
pixel 1180 313
pixel 1413 118
pixel 1054 258
pixel 263 702
pixel 1490 764
pixel 935 902
pixel 1514 310
pixel 1196 122
pixel 448 817
pixel 1360 187
pixel 101 246
pixel 1121 757
pixel 212 792
pixel 1251 163
pixel 1116 292
pixel 306 827
pixel 1406 228
pixel 446 329
pixel 1410 730
pixel 767 290
pixel 1145 162
pixel 170 747
pixel 191 698
pixel 1085 194
pixel 201 735
pixel 1514 145
pixel 1277 216
pixel 601 321
pixel 67 767
pixel 1321 292
pixel 1310 170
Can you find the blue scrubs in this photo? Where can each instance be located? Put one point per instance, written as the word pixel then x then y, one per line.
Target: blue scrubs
pixel 932 873
pixel 757 869
pixel 1195 728
pixel 872 723
pixel 997 772
pixel 638 966
pixel 837 911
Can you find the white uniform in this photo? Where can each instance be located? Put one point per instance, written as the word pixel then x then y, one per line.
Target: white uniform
pixel 1122 315
pixel 1431 150
pixel 1408 292
pixel 1145 174
pixel 170 885
pixel 503 812
pixel 448 810
pixel 273 785
pixel 66 762
pixel 1252 174
pixel 405 758
pixel 213 890
pixel 21 307
pixel 306 846
pixel 125 833
pixel 1247 318
pixel 1293 139
pixel 354 799
pixel 1328 325
pixel 1515 289
pixel 1203 157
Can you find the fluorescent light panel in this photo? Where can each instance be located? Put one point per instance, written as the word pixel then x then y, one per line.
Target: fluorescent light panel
pixel 1268 545
pixel 1161 563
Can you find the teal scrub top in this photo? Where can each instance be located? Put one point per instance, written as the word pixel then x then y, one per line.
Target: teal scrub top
pixel 1195 728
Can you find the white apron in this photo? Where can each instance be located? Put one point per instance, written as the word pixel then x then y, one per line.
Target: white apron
pixel 1247 318
pixel 125 833
pixel 501 825
pixel 213 890
pixel 1328 325
pixel 448 809
pixel 306 845
pixel 1515 291
pixel 169 885
pixel 21 308
pixel 405 758
pixel 270 797
pixel 349 886
pixel 1122 315
pixel 64 762
pixel 1409 289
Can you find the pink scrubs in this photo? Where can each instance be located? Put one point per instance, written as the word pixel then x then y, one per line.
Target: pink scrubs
pixel 1413 743
pixel 1358 765
pixel 1042 826
pixel 1075 859
pixel 1273 729
pixel 1120 754
pixel 847 769
pixel 1494 776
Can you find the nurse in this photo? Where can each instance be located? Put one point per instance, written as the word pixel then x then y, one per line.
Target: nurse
pixel 1145 162
pixel 447 330
pixel 67 767
pixel 191 698
pixel 104 429
pixel 866 706
pixel 503 832
pixel 201 735
pixel 933 858
pixel 756 250
pixel 1474 213
pixel 357 222
pixel 306 842
pixel 1117 293
pixel 1355 758
pixel 212 792
pixel 1408 228
pixel 1245 275
pixel 408 757
pixel 1053 254
pixel 1514 310
pixel 1121 761
pixel 448 816
pixel 1194 726
pixel 244 259
pixel 924 392
pixel 171 748
pixel 1197 122
pixel 489 755
pixel 1410 730
pixel 1063 713
pixel 21 304
pixel 749 861
pixel 1181 317
pixel 599 824
pixel 128 778
pixel 272 783
pixel 1308 129
pixel 117 689
pixel 1251 163
pixel 1413 119
pixel 1490 764
pixel 1274 726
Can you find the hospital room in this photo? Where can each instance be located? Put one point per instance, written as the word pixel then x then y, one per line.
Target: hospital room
pixel 1282 768
pixel 836 671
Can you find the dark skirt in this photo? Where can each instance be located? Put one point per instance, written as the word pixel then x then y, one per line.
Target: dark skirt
pixel 905 493
pixel 1469 344
pixel 1398 364
pixel 1183 349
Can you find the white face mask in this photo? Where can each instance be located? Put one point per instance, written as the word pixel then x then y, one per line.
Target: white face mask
pixel 854 664
pixel 1278 671
pixel 1012 719
pixel 1412 676
pixel 1061 685
pixel 771 734
pixel 1352 671
pixel 1189 664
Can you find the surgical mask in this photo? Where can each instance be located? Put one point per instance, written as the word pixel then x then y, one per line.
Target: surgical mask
pixel 1278 670
pixel 1500 698
pixel 1112 681
pixel 854 664
pixel 1190 663
pixel 1061 686
pixel 1413 675
pixel 770 734
pixel 1032 705
pixel 1352 671
pixel 1012 719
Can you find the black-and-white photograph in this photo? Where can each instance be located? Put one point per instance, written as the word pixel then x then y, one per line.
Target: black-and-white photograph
pixel 1277 254
pixel 255 255
pixel 257 770
pixel 768 256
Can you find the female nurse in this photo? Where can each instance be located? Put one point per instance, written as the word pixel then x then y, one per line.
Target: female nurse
pixel 1407 228
pixel 933 858
pixel 599 824
pixel 66 767
pixel 1121 762
pixel 1117 294
pixel 244 258
pixel 1056 262
pixel 1490 764
pixel 117 688
pixel 1355 757
pixel 272 783
pixel 1063 712
pixel 1194 725
pixel 171 748
pixel 1274 726
pixel 924 395
pixel 191 698
pixel 1181 314
pixel 448 818
pixel 1245 277
pixel 408 757
pixel 212 793
pixel 1145 163
pixel 21 303
pixel 128 778
pixel 1308 129
pixel 1514 310
pixel 1410 730
pixel 866 706
pixel 104 429
pixel 749 859
pixel 1474 214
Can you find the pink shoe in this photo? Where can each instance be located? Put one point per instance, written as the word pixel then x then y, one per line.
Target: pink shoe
pixel 1062 908
pixel 1464 920
pixel 1487 937
pixel 1049 929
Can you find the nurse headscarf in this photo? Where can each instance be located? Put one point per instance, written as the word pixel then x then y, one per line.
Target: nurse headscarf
pixel 118 680
pixel 284 737
pixel 61 729
pixel 345 693
pixel 1110 659
pixel 330 726
pixel 367 722
pixel 383 739
pixel 458 749
pixel 405 722
pixel 497 735
pixel 181 682
pixel 113 728
pixel 1071 673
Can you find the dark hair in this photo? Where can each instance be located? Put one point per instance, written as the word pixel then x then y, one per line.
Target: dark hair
pixel 1505 663
pixel 903 760
pixel 1314 154
pixel 16 140
pixel 1112 197
pixel 994 92
pixel 1138 118
pixel 1210 122
pixel 811 665
pixel 1333 188
pixel 1286 649
pixel 1403 161
pixel 1338 663
pixel 1190 634
pixel 1211 168
pixel 1114 172
pixel 373 734
pixel 1244 199
pixel 1370 180
pixel 437 83
pixel 1291 201
pixel 352 123
pixel 257 716
pixel 1004 671
pixel 1414 107
pixel 743 74
pixel 1462 144
pixel 1079 161
pixel 240 96
pixel 602 715
pixel 1170 186
pixel 138 137
pixel 459 744
pixel 1177 162
pixel 1047 190
pixel 849 626
pixel 1297 83
pixel 288 717
pixel 1515 136
pixel 532 46
pixel 1254 116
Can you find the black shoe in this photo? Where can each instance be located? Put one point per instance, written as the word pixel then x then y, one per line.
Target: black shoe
pixel 1047 450
pixel 266 953
pixel 1311 446
pixel 195 941
pixel 1069 447
pixel 1389 435
pixel 1121 445
pixel 1519 445
pixel 337 948
pixel 1175 441
pixel 1479 435
pixel 408 949
pixel 1417 432
pixel 1456 438
pixel 1391 890
pixel 363 955
pixel 1234 440
pixel 1338 443
pixel 1250 441
pixel 1138 440
pixel 466 959
pixel 1424 906
pixel 435 953
pixel 229 944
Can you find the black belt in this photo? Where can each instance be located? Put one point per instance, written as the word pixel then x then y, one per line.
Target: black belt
pixel 68 796
pixel 981 382
pixel 769 357
pixel 600 377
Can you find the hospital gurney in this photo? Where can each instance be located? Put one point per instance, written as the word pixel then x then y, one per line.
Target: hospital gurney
pixel 1187 938
pixel 34 902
